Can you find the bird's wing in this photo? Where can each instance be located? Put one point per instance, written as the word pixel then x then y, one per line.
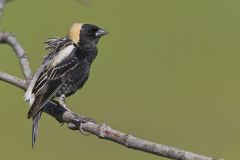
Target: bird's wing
pixel 51 76
pixel 53 46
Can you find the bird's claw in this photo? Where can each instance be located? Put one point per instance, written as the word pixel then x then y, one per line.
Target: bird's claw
pixel 82 131
pixel 77 124
pixel 82 120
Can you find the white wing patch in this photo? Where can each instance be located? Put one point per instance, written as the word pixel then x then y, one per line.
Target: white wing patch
pixel 29 96
pixel 61 55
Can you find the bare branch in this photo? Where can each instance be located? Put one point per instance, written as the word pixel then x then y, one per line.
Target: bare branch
pixel 8 38
pixel 13 80
pixel 79 122
pixel 106 132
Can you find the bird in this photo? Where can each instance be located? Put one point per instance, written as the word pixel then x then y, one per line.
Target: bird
pixel 64 70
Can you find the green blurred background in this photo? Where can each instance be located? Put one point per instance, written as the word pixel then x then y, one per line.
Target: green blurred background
pixel 167 72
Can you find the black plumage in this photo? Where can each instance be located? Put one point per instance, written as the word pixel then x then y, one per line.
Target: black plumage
pixel 66 68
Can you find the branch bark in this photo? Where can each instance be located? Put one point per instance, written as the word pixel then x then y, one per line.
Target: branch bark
pixel 13 80
pixel 11 40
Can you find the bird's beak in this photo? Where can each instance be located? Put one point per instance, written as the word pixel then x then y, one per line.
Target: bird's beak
pixel 101 32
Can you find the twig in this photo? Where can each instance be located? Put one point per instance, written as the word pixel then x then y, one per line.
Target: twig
pixel 74 120
pixel 13 80
pixel 11 40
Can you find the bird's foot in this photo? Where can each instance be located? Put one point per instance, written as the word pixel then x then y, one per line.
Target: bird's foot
pixel 78 124
pixel 82 131
pixel 82 120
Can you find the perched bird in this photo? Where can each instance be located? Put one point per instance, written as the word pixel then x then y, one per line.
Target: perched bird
pixel 64 70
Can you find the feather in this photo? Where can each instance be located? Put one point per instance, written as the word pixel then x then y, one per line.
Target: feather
pixel 35 126
pixel 52 77
pixel 53 45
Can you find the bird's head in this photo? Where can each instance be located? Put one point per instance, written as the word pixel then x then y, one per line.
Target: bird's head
pixel 82 34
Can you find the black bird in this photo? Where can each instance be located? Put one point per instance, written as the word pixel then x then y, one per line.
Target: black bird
pixel 64 70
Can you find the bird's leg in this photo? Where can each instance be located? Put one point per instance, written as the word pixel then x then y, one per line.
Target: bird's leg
pixel 62 102
pixel 81 120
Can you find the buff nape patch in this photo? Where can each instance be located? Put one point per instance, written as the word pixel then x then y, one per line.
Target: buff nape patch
pixel 74 32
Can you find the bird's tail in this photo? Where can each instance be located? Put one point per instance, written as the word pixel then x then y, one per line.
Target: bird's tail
pixel 35 127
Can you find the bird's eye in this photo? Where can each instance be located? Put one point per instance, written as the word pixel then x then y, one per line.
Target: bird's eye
pixel 88 32
pixel 91 33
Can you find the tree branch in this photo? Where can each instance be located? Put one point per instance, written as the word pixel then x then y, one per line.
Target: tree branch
pixel 13 80
pixel 11 40
pixel 79 122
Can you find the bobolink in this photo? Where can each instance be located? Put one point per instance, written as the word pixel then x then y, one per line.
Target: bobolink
pixel 65 69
